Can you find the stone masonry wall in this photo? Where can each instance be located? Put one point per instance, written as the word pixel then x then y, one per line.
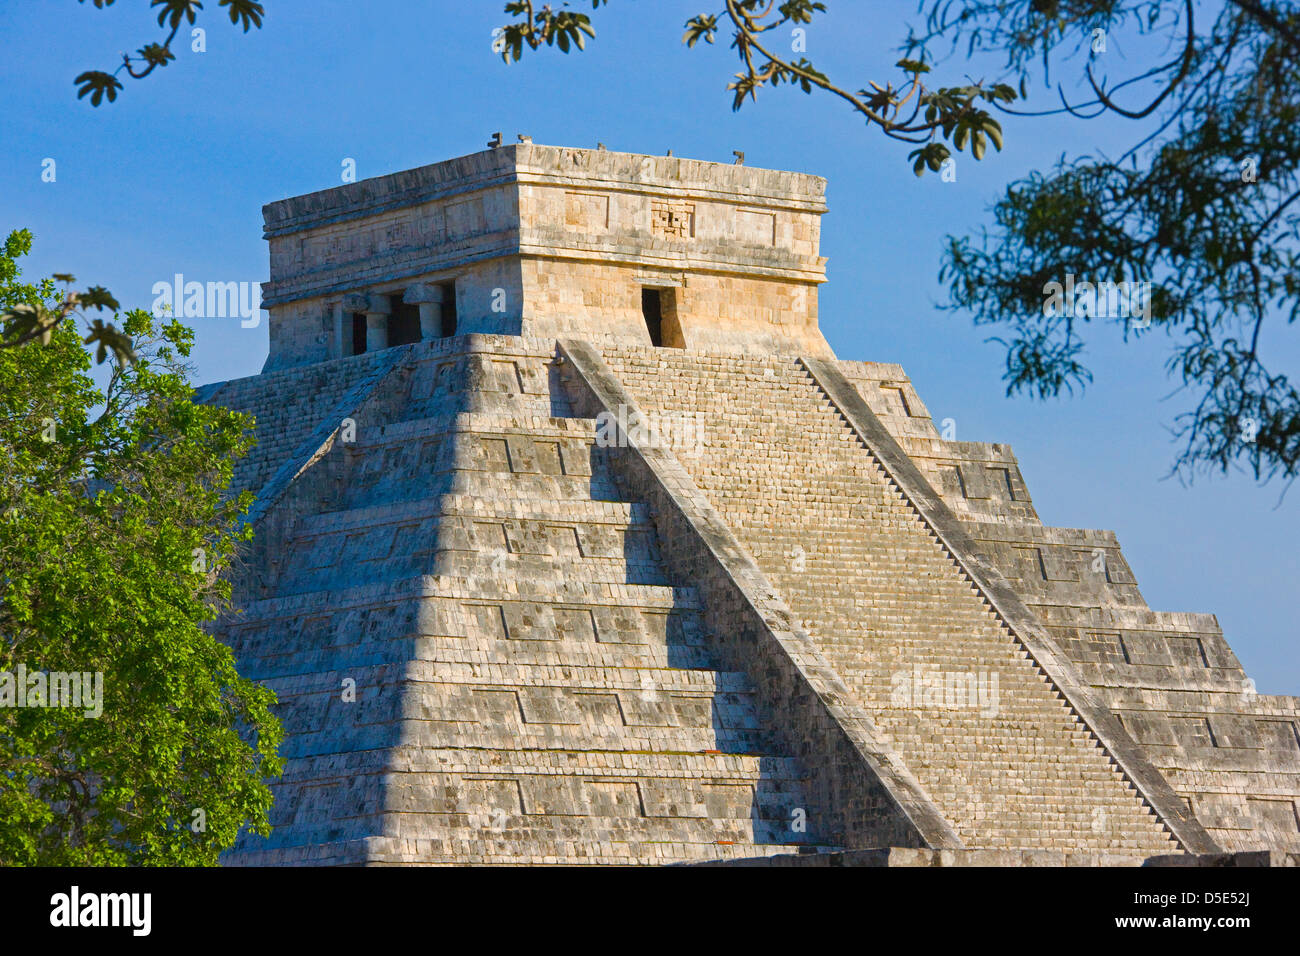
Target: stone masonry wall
pixel 531 684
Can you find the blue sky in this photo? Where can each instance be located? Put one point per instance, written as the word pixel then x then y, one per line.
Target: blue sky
pixel 173 176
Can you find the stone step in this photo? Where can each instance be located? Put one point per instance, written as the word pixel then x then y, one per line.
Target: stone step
pixel 440 590
pixel 618 513
pixel 320 851
pixel 339 550
pixel 464 677
pixel 507 657
pixel 612 739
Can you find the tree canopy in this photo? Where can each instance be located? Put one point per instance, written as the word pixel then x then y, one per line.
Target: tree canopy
pixel 115 524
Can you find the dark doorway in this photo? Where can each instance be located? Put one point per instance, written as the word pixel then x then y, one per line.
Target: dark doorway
pixel 448 308
pixel 358 333
pixel 404 322
pixel 653 311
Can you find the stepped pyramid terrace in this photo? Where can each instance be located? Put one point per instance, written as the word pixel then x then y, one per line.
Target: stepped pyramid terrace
pixel 576 543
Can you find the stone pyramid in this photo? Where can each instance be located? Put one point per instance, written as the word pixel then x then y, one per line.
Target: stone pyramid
pixel 577 544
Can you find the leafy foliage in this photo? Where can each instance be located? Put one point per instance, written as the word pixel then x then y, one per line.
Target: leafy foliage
pixel 172 15
pixel 115 523
pixel 561 28
pixel 1204 209
pixel 912 112
pixel 34 314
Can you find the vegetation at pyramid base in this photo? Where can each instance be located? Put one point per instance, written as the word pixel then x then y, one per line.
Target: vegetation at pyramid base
pixel 114 526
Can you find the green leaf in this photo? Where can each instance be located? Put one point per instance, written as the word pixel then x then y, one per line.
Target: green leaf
pixel 994 130
pixel 247 12
pixel 174 11
pixel 97 297
pixel 98 85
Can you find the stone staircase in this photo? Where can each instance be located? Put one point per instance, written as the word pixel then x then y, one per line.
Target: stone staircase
pixel 530 685
pixel 1170 678
pixel 979 723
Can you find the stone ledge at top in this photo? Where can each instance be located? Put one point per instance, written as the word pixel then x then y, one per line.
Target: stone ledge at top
pixel 527 162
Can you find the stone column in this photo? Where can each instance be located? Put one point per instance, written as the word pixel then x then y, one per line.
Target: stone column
pixel 377 313
pixel 429 299
pixel 342 341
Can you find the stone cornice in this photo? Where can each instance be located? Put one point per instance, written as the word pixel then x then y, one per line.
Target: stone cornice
pixel 405 264
pixel 546 165
pixel 370 197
